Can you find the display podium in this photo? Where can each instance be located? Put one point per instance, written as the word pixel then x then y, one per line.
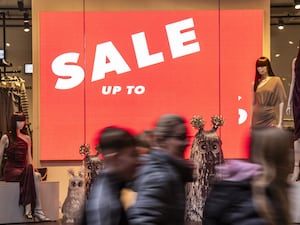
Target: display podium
pixel 294 196
pixel 11 212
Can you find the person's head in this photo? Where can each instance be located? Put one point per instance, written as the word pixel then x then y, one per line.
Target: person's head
pixel 262 68
pixel 270 148
pixel 144 141
pixel 118 147
pixel 170 134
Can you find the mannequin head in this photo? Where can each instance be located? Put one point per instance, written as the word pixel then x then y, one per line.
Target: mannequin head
pixel 262 63
pixel 17 122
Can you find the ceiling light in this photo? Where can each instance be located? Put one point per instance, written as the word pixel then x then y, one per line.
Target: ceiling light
pixel 291 42
pixel 21 5
pixel 280 24
pixel 26 22
pixel 297 4
pixel 26 17
pixel 26 27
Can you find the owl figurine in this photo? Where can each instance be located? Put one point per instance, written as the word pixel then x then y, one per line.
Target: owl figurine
pixel 206 152
pixel 73 206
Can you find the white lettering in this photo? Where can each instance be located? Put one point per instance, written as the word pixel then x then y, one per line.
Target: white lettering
pixel 116 62
pixel 137 90
pixel 73 74
pixel 142 52
pixel 177 38
pixel 181 38
pixel 107 90
pixel 130 89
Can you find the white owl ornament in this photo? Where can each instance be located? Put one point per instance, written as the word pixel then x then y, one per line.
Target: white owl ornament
pixel 73 206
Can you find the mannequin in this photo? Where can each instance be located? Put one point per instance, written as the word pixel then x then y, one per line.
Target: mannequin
pixel 19 167
pixel 268 93
pixel 294 97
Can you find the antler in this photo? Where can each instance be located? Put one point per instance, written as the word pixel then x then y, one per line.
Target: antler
pixel 217 121
pixel 198 122
pixel 84 149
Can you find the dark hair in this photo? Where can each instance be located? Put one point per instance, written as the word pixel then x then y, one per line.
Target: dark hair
pixel 17 116
pixel 165 126
pixel 113 139
pixel 262 61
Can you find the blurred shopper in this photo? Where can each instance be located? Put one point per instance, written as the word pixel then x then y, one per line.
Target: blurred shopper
pixel 293 105
pixel 144 141
pixel 160 184
pixel 253 192
pixel 104 206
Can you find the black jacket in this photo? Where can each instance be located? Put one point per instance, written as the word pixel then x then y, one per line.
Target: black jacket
pixel 160 187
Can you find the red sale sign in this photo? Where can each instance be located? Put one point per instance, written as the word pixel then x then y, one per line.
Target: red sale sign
pixel 128 68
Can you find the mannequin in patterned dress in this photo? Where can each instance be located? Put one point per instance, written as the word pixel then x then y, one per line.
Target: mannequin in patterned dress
pixel 294 98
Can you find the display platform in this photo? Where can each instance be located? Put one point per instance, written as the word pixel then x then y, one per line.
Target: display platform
pixel 11 212
pixel 294 194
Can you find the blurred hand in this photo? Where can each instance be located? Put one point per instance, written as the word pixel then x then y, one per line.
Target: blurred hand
pixel 128 197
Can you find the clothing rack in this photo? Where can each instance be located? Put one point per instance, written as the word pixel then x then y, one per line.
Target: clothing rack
pixel 9 78
pixel 13 98
pixel 11 82
pixel 12 71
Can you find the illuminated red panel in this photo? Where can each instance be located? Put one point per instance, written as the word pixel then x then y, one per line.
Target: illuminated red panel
pixel 128 68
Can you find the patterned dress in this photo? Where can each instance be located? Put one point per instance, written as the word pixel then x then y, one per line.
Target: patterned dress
pixel 267 97
pixel 16 169
pixel 296 100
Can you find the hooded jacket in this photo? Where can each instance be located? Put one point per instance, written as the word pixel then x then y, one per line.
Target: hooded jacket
pixel 230 200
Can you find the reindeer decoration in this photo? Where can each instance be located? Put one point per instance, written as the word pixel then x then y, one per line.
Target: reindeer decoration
pixel 92 166
pixel 206 152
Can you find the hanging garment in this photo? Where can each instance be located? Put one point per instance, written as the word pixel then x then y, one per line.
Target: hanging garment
pixel 13 98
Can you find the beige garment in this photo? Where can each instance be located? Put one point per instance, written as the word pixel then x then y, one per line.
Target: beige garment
pixel 267 97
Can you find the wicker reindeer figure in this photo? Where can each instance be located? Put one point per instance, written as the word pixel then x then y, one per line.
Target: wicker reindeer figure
pixel 206 152
pixel 92 164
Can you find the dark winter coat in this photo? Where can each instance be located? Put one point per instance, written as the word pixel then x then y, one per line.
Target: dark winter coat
pixel 160 187
pixel 230 200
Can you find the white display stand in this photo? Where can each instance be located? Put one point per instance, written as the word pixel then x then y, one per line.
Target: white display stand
pixel 11 212
pixel 294 195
